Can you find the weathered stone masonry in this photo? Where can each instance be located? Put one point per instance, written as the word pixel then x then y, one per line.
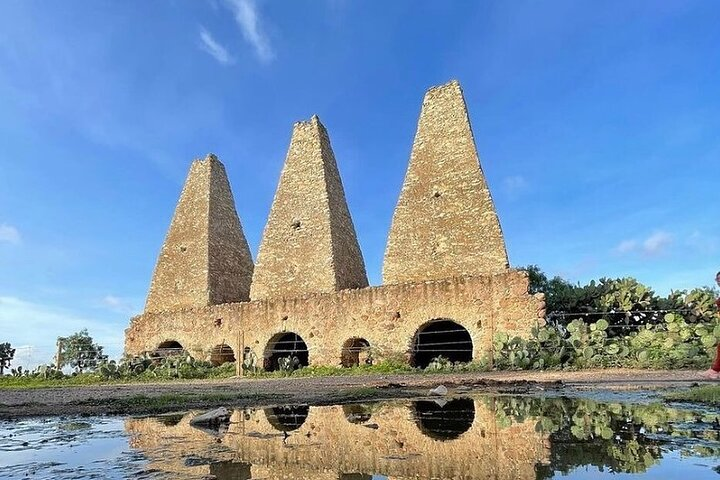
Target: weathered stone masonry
pixel 486 450
pixel 309 243
pixel 445 223
pixel 205 258
pixel 445 263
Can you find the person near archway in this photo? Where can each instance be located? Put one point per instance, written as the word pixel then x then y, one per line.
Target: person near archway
pixel 714 371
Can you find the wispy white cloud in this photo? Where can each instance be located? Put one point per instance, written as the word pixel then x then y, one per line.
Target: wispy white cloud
pixel 119 305
pixel 212 47
pixel 9 234
pixel 247 17
pixel 97 102
pixel 514 185
pixel 33 328
pixel 655 244
pixel 626 246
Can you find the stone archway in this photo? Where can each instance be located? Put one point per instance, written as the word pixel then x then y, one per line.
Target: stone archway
pixel 285 345
pixel 355 352
pixel 221 354
pixel 169 348
pixel 287 418
pixel 441 337
pixel 445 420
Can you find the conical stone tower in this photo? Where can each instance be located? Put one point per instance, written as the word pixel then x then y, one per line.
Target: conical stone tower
pixel 309 243
pixel 445 222
pixel 205 259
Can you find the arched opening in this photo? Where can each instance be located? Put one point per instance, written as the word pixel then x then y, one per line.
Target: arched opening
pixel 441 338
pixel 284 348
pixel 357 412
pixel 169 348
pixel 288 417
pixel 444 420
pixel 221 354
pixel 355 352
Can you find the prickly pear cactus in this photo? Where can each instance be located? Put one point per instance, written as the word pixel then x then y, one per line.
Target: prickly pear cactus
pixel 439 363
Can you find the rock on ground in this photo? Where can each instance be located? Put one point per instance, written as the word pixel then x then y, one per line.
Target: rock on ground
pixel 212 417
pixel 439 390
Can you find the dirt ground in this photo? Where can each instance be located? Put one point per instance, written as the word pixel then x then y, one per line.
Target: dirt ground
pixel 169 396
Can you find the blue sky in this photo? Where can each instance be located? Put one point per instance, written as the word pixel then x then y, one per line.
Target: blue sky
pixel 597 124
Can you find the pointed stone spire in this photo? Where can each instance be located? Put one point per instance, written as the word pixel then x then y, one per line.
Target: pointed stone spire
pixel 205 259
pixel 445 222
pixel 309 243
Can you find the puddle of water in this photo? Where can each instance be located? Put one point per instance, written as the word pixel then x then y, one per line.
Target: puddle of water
pixel 56 448
pixel 499 437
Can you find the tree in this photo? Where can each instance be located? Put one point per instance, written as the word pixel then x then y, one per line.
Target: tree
pixel 537 278
pixel 560 295
pixel 80 351
pixel 6 355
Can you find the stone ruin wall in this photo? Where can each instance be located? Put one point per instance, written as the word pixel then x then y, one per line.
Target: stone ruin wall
pixel 387 317
pixel 445 258
pixel 395 446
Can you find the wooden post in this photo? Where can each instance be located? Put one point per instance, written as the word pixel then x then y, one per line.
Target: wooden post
pixel 242 350
pixel 239 356
pixel 492 340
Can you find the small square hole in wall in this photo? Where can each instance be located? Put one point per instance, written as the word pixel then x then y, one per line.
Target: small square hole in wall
pixel 437 194
pixel 183 248
pixel 296 225
pixel 218 322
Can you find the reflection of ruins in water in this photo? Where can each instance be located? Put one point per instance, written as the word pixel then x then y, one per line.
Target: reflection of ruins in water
pixel 457 438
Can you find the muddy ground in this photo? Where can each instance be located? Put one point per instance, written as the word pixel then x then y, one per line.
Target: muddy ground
pixel 182 395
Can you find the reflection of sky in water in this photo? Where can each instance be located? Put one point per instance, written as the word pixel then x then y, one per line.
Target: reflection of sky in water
pixel 672 467
pixel 102 447
pixel 70 448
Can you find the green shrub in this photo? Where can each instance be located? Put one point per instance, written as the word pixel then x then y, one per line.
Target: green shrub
pixel 673 343
pixel 621 436
pixel 625 303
